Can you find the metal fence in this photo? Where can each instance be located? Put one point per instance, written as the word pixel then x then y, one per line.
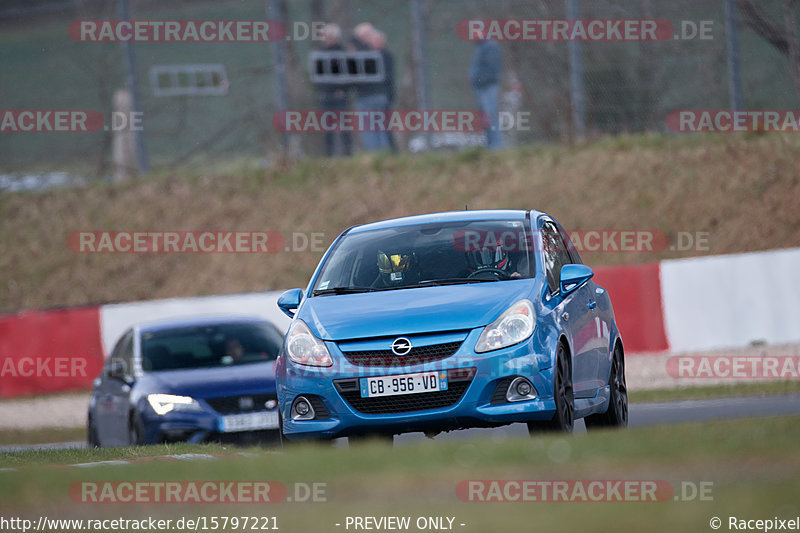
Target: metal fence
pixel 564 89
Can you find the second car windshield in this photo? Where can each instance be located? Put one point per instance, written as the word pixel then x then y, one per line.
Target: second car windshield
pixel 209 346
pixel 429 254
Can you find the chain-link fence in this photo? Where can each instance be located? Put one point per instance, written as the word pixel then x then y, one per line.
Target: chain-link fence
pixel 626 86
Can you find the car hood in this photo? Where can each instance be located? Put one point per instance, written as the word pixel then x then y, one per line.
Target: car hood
pixel 409 311
pixel 252 378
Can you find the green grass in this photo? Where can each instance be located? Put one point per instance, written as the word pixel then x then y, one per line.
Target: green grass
pixel 38 458
pixel 752 465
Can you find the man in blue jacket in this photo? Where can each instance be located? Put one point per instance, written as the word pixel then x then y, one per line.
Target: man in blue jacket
pixel 485 76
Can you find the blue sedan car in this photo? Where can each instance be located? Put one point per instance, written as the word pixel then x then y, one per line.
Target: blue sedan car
pixel 194 380
pixel 447 321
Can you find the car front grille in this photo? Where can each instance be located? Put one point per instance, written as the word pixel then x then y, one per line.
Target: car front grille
pixel 458 382
pixel 240 403
pixel 418 355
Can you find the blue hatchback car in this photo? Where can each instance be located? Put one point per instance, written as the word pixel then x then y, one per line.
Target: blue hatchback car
pixel 194 380
pixel 448 321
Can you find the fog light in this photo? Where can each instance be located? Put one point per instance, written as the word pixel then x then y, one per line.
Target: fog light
pixel 521 389
pixel 302 410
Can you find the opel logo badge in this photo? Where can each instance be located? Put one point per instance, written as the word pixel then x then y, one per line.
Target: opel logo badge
pixel 401 346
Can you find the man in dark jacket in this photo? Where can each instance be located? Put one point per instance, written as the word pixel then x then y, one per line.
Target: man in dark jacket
pixel 333 97
pixel 375 96
pixel 485 76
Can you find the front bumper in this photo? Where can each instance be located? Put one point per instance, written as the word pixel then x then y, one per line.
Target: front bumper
pixel 470 402
pixel 198 427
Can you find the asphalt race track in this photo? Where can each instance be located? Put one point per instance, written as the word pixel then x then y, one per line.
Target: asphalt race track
pixel 641 415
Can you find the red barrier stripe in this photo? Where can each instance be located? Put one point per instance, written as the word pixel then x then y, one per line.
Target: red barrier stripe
pixel 636 296
pixel 49 351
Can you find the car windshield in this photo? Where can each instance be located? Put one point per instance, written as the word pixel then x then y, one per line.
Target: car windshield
pixel 209 346
pixel 428 254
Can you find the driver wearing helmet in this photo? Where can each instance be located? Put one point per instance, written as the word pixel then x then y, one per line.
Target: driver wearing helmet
pixel 397 269
pixel 492 260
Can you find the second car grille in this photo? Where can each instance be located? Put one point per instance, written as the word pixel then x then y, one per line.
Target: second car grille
pixel 418 355
pixel 241 403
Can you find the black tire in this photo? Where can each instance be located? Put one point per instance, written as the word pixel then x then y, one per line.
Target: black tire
pixel 91 435
pixel 135 430
pixel 617 413
pixel 564 418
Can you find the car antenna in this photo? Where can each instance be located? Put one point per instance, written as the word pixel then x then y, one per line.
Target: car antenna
pixel 466 207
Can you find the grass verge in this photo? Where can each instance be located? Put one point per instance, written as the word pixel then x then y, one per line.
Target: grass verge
pixel 749 469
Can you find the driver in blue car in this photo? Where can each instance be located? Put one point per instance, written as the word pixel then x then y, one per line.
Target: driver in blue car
pixel 397 269
pixel 494 260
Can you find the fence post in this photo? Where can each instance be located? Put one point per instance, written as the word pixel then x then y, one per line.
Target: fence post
pixel 420 59
pixel 279 66
pixel 131 80
pixel 734 56
pixel 577 94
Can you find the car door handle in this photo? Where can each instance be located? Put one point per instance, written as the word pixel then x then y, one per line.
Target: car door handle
pixel 591 305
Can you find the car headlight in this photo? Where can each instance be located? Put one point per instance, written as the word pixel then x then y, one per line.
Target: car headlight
pixel 304 348
pixel 164 403
pixel 515 325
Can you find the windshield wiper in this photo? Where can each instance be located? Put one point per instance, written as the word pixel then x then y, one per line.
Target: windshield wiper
pixel 342 290
pixel 451 281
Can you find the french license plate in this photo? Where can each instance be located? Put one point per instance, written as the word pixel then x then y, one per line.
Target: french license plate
pixel 403 384
pixel 249 421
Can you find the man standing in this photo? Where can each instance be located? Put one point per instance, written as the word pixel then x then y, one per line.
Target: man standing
pixel 377 42
pixel 374 97
pixel 485 74
pixel 333 97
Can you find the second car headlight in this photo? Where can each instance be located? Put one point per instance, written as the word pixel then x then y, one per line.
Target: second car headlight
pixel 304 348
pixel 164 403
pixel 515 325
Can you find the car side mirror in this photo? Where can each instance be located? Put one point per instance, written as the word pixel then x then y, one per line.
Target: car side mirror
pixel 573 276
pixel 290 300
pixel 118 369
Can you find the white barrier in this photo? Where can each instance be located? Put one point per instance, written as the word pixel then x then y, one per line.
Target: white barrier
pixel 731 301
pixel 116 318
